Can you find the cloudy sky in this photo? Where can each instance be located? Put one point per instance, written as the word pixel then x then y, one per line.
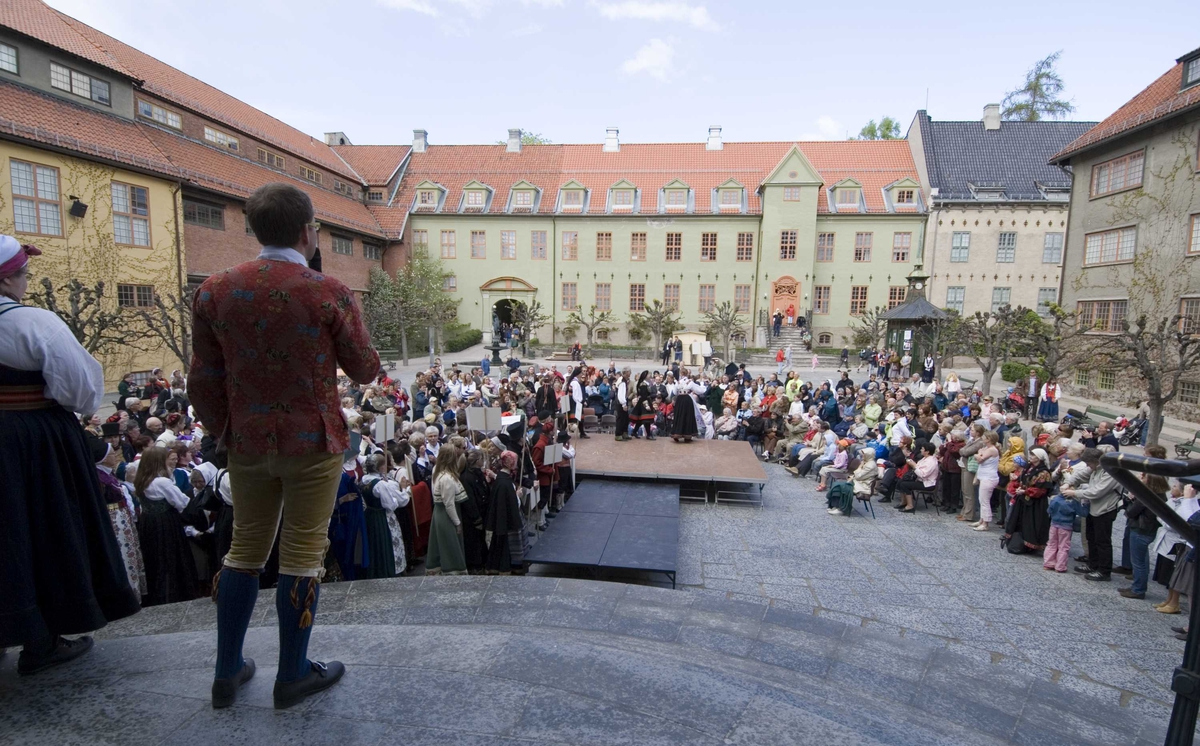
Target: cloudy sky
pixel 661 70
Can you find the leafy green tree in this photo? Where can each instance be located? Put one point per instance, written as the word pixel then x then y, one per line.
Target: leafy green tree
pixel 419 298
pixel 657 320
pixel 381 309
pixel 723 321
pixel 593 322
pixel 1038 98
pixel 886 129
pixel 530 138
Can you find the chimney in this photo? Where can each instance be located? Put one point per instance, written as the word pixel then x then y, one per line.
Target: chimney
pixel 991 117
pixel 514 141
pixel 714 139
pixel 611 144
pixel 420 141
pixel 337 138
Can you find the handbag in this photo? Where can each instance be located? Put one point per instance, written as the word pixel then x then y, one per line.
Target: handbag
pixel 972 464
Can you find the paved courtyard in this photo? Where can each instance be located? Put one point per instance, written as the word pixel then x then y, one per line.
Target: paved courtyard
pixel 930 579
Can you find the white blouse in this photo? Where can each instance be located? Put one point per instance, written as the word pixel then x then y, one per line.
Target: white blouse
pixel 36 339
pixel 163 488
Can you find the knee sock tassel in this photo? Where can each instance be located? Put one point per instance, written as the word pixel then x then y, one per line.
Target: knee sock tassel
pixel 306 618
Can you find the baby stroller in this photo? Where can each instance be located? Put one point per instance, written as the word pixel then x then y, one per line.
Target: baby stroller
pixel 1129 432
pixel 1014 402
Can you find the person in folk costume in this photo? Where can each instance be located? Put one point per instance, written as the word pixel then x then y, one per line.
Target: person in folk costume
pixel 120 512
pixel 504 525
pixel 170 567
pixel 575 391
pixel 446 554
pixel 401 473
pixel 543 438
pixel 641 414
pixel 1048 410
pixel 62 565
pixel 202 481
pixel 219 502
pixel 622 400
pixel 348 556
pixel 687 424
pixel 379 502
pixel 928 369
pixel 474 480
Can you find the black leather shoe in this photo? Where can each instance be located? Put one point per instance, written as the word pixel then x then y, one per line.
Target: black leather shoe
pixel 1128 593
pixel 1122 570
pixel 1084 569
pixel 224 691
pixel 321 677
pixel 1179 630
pixel 64 650
pixel 1099 577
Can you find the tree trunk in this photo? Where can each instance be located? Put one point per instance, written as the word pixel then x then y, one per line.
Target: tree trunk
pixel 404 345
pixel 1155 405
pixel 988 372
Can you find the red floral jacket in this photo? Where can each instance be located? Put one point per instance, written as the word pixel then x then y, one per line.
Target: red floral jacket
pixel 268 337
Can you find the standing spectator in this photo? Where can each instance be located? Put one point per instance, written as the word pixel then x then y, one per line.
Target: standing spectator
pixel 288 461
pixel 1033 391
pixel 1104 500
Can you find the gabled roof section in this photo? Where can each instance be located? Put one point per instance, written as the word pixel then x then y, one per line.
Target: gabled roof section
pixel 905 183
pixel 794 169
pixel 523 184
pixel 846 183
pixel 572 184
pixel 1158 101
pixel 676 184
pixel 476 185
pixel 959 154
pixel 624 184
pixel 427 184
pixel 39 21
pixel 176 86
pixel 731 184
pixel 375 164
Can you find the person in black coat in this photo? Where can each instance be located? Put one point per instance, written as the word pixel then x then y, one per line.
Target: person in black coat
pixel 506 553
pixel 474 511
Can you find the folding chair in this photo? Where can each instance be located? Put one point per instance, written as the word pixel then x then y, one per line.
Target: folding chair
pixel 927 494
pixel 866 500
pixel 608 423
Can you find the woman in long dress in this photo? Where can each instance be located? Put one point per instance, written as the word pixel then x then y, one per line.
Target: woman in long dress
pixel 687 419
pixel 62 567
pixel 446 554
pixel 1048 409
pixel 505 526
pixel 641 415
pixel 377 502
pixel 170 567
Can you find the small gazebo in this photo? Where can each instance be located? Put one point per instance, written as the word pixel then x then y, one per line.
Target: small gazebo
pixel 907 320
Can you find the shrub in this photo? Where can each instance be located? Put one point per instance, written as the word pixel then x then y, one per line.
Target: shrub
pixel 1013 371
pixel 459 337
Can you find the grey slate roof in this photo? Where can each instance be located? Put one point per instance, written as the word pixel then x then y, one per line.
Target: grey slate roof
pixel 916 308
pixel 961 154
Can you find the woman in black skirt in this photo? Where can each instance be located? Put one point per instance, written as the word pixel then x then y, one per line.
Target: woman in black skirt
pixel 642 413
pixel 61 564
pixel 170 568
pixel 685 426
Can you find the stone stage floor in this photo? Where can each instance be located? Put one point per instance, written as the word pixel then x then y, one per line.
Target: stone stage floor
pixel 538 660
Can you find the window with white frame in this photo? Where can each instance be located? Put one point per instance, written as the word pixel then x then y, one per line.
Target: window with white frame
pixel 1120 173
pixel 80 84
pixel 1194 235
pixel 374 195
pixel 1107 247
pixel 731 198
pixel 1045 297
pixel 960 246
pixel 160 115
pixel 8 59
pixel 217 137
pixel 622 199
pixel 1006 250
pixel 1000 297
pixel 1052 248
pixel 523 198
pixel 955 297
pixel 475 198
pixel 131 214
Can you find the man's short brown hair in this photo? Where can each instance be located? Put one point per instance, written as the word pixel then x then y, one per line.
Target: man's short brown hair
pixel 277 214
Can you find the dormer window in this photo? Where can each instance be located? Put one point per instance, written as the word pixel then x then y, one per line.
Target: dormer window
pixel 475 199
pixel 573 199
pixel 427 198
pixel 622 199
pixel 676 199
pixel 848 198
pixel 523 198
pixel 731 199
pixel 1191 72
pixel 905 197
pixel 374 195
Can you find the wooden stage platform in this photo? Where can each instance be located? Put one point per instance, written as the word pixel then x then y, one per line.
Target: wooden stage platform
pixel 718 468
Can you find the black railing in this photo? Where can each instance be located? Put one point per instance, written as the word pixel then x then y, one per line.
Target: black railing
pixel 1186 680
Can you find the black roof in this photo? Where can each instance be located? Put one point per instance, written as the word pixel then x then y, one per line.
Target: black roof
pixel 916 308
pixel 959 155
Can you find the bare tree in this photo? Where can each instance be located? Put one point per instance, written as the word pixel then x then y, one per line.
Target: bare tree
pixel 869 328
pixel 943 338
pixel 98 326
pixel 724 321
pixel 529 317
pixel 1059 343
pixel 170 321
pixel 594 321
pixel 659 320
pixel 990 339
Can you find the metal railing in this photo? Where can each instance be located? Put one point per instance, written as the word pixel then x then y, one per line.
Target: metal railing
pixel 1185 682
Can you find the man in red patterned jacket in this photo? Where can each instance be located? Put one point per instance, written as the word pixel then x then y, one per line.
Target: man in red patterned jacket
pixel 269 336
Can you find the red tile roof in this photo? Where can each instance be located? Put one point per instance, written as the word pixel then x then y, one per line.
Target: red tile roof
pixel 47 119
pixel 34 18
pixel 1159 100
pixel 875 164
pixel 41 22
pixel 376 164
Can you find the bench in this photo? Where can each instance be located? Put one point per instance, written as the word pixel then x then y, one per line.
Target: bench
pixel 968 384
pixel 1188 448
pixel 1093 416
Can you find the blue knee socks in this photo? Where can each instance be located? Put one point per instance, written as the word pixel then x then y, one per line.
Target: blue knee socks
pixel 296 602
pixel 236 593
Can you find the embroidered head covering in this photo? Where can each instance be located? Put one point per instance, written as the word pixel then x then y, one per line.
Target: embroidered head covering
pixel 508 461
pixel 14 255
pixel 208 471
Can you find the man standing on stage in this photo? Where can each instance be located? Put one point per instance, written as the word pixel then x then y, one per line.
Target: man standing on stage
pixel 269 337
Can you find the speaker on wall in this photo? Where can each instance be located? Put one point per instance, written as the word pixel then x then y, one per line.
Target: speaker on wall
pixel 78 209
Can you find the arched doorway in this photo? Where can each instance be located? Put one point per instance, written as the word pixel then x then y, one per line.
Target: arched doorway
pixel 785 291
pixel 504 308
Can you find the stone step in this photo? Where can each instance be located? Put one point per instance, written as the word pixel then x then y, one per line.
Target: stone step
pixel 636 664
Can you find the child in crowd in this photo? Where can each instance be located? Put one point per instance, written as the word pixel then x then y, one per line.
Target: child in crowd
pixel 1062 522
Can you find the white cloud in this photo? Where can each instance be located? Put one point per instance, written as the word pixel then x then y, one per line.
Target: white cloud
pixel 531 29
pixel 827 128
pixel 426 7
pixel 473 8
pixel 641 10
pixel 656 59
